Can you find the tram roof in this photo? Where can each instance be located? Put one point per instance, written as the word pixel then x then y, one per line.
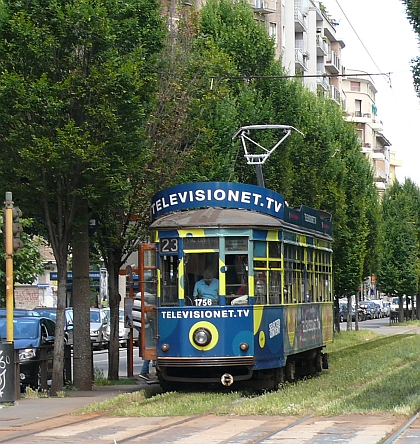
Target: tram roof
pixel 227 218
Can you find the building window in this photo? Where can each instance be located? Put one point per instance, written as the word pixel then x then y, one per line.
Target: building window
pixel 355 86
pixel 273 31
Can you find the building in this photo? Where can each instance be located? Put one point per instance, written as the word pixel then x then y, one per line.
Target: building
pixel 359 104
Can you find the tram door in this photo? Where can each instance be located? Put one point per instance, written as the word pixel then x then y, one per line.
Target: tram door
pixel 148 289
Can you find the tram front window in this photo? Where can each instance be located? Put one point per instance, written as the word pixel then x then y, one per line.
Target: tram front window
pixel 201 279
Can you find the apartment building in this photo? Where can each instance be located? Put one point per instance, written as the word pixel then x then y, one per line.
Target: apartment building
pixel 307 42
pixel 359 103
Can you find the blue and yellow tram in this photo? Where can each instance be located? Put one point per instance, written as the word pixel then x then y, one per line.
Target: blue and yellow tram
pixel 272 314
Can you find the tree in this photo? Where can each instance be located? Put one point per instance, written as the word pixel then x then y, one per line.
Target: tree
pixel 75 76
pixel 399 267
pixel 413 13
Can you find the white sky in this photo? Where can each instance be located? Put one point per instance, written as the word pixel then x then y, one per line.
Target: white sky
pixel 379 38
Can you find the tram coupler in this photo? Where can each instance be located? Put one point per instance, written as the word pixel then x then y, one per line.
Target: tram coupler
pixel 226 379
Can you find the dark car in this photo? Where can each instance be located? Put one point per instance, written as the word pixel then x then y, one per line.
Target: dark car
pixel 31 334
pixel 371 309
pixel 343 313
pixel 51 312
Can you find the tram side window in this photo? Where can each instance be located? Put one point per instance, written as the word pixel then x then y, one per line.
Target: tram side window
pixel 267 272
pixel 324 273
pixel 169 290
pixel 236 274
pixel 294 274
pixel 288 273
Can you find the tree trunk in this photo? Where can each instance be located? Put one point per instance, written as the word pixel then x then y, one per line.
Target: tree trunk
pixel 58 364
pixel 349 325
pixel 114 305
pixel 82 348
pixel 337 315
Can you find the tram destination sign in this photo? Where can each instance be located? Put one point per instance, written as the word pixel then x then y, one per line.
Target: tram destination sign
pixel 217 194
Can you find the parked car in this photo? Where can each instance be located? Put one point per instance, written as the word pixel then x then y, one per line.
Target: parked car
pixel 51 312
pixel 383 307
pixel 31 334
pixel 98 325
pixel 387 308
pixel 343 313
pixel 19 312
pixel 395 304
pixel 123 332
pixel 372 311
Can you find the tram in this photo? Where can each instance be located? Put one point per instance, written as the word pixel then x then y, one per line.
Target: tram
pixel 271 269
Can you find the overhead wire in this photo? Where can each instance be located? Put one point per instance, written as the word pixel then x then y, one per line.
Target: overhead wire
pixel 361 42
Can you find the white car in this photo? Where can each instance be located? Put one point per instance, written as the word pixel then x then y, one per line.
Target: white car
pixel 98 327
pixel 123 331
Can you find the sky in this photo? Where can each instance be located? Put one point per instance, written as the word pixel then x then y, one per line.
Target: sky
pixel 379 38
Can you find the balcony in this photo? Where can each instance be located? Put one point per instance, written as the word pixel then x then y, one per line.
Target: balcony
pixel 300 21
pixel 321 46
pixel 335 94
pixel 333 65
pixel 381 176
pixel 323 81
pixel 379 155
pixel 264 7
pixel 300 60
pixel 366 148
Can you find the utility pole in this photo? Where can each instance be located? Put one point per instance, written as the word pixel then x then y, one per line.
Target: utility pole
pixel 8 225
pixel 12 229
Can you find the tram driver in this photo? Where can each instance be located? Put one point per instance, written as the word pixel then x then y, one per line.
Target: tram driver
pixel 207 288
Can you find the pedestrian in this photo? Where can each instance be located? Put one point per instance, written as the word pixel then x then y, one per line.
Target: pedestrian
pixel 138 326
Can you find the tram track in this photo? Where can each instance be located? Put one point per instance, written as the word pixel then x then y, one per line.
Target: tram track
pixel 211 427
pixel 402 430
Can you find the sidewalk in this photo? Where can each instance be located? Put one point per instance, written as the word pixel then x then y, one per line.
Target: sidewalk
pixel 27 411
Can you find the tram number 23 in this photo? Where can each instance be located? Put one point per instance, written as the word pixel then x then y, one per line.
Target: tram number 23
pixel 203 302
pixel 169 245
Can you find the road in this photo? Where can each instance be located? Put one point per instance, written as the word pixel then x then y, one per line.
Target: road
pixel 100 361
pixel 371 324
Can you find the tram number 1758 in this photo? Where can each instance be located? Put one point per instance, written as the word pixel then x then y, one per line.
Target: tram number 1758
pixel 203 302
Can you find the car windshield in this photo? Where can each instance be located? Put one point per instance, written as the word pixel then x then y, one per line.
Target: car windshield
pixel 94 317
pixel 22 328
pixel 108 314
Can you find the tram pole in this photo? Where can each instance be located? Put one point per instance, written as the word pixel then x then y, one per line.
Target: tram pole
pixel 260 177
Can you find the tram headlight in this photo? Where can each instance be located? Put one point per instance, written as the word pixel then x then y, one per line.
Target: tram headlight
pixel 202 337
pixel 164 347
pixel 244 346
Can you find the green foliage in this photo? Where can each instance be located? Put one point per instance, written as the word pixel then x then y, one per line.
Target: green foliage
pixel 233 28
pixel 400 235
pixel 99 378
pixel 413 13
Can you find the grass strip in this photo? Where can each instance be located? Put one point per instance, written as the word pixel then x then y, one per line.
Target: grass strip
pixel 368 373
